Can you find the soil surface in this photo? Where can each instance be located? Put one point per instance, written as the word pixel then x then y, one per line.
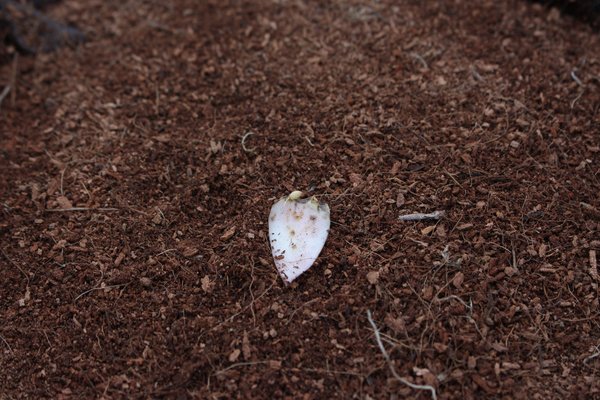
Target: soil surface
pixel 138 171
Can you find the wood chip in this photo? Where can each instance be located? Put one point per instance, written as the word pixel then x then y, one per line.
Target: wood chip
pixel 397 324
pixel 164 138
pixel 510 365
pixel 234 355
pixel 145 281
pixel 471 362
pixel 157 219
pixel 246 349
pixel 53 186
pixel 190 251
pixel 423 217
pixel 400 200
pixel 549 268
pixel 63 202
pixel 458 280
pixel 228 233
pixel 594 266
pixel 207 284
pixel 441 231
pixel 373 277
pixel 119 259
pixel 542 250
pixel 483 384
pixel 427 230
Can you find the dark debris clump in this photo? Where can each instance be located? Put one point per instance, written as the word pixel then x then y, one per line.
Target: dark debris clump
pixel 585 10
pixel 24 26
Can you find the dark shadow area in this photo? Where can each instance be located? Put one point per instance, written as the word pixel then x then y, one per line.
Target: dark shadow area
pixel 24 26
pixel 584 10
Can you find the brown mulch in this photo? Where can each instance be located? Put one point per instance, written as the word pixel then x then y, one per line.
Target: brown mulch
pixel 134 259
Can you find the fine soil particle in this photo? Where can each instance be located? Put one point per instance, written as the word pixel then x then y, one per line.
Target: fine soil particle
pixel 135 258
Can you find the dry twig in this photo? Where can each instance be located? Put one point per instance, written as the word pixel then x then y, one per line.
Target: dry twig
pixel 15 265
pixel 4 93
pixel 247 150
pixel 389 361
pixel 13 80
pixel 243 309
pixel 594 266
pixel 591 357
pixel 575 78
pixel 423 217
pixel 240 364
pixel 100 288
pixel 420 59
pixel 81 209
pixel 454 297
pixel 6 343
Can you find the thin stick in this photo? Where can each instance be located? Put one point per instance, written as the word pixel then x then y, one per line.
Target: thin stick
pixel 420 59
pixel 422 217
pixel 576 99
pixel 157 100
pixel 243 310
pixel 6 343
pixel 164 252
pixel 100 288
pixel 297 309
pixel 454 297
pixel 252 292
pixel 138 211
pixel 590 358
pixel 240 364
pixel 594 266
pixel 4 93
pixel 514 256
pixel 13 80
pixel 15 265
pixel 325 371
pixel 247 150
pixel 389 361
pixel 476 74
pixel 80 209
pixel 62 179
pixel 107 386
pixel 575 78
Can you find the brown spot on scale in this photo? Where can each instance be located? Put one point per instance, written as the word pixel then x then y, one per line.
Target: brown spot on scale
pixel 292 232
pixel 281 257
pixel 313 217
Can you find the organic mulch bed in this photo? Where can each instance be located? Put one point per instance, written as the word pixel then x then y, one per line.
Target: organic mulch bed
pixel 138 171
